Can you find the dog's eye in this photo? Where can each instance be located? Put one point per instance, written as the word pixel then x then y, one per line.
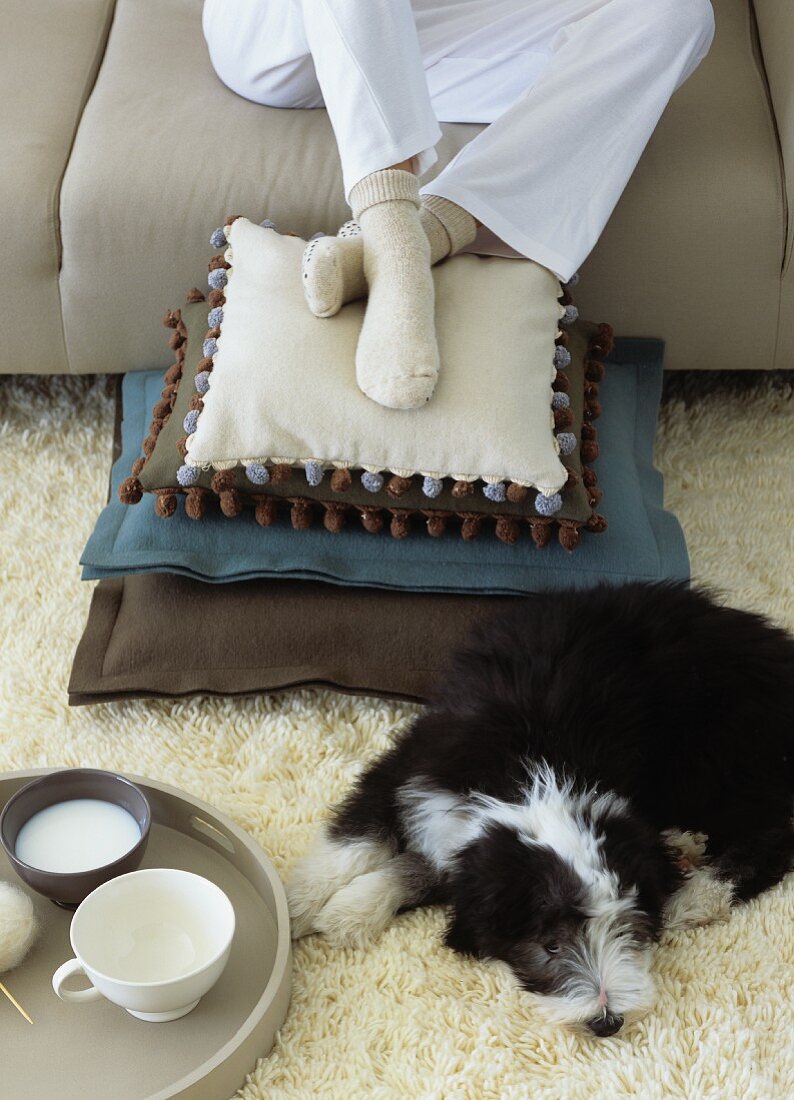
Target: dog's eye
pixel 551 948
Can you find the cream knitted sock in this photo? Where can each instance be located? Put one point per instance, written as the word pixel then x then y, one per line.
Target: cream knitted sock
pixel 333 267
pixel 397 355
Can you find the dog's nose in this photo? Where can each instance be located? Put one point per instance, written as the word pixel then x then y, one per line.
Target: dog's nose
pixel 607 1024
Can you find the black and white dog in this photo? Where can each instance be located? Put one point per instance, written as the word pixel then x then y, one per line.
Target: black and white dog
pixel 552 793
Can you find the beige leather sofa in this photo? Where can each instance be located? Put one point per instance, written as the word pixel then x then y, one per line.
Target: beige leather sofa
pixel 121 151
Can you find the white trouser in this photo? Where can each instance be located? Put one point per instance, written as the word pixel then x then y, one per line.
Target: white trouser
pixel 572 89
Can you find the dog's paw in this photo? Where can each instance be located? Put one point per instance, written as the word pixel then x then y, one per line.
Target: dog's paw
pixel 359 912
pixel 690 848
pixel 329 866
pixel 703 899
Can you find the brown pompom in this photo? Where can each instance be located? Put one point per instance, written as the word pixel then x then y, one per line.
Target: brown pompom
pixel 400 525
pixel 398 486
pixel 593 370
pixel 154 430
pixel 148 445
pixel 561 383
pixel 165 503
pixel 462 489
pixel 172 317
pixel 204 364
pixel 137 466
pixel 436 524
pixel 222 481
pixel 334 518
pixel 572 480
pixel 174 372
pixel 195 402
pixel 596 524
pixel 601 344
pixel 587 431
pixel 195 295
pixel 265 511
pixel 232 219
pixel 565 298
pixel 541 532
pixel 592 410
pixel 372 520
pixel 516 494
pixel 180 354
pixel 589 476
pixel 195 500
pixel 341 480
pixel 280 474
pixel 507 529
pixel 301 514
pixel 589 450
pixel 218 262
pixel 213 333
pixel 568 535
pixel 130 491
pixel 595 496
pixel 162 408
pixel 562 340
pixel 181 446
pixel 563 418
pixel 471 526
pixel 231 503
pixel 216 298
pixel 176 340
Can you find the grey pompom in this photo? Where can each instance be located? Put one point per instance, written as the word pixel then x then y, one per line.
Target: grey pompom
pixel 567 442
pixel 218 238
pixel 432 486
pixel 257 474
pixel 560 401
pixel 494 491
pixel 209 347
pixel 570 315
pixel 202 381
pixel 215 317
pixel 314 472
pixel 574 279
pixel 187 475
pixel 316 236
pixel 190 423
pixel 562 357
pixel 268 224
pixel 548 505
pixel 218 278
pixel 373 483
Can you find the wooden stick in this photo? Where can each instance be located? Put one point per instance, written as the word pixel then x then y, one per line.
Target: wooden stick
pixel 15 1003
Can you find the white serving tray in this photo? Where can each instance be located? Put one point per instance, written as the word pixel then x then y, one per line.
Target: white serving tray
pixel 98 1051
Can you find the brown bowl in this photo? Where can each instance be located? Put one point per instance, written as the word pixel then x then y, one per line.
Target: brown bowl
pixel 70 888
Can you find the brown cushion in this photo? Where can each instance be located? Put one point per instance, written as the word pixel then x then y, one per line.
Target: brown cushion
pixel 147 635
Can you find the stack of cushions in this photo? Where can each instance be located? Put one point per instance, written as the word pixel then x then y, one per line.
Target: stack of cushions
pixel 262 408
pixel 259 421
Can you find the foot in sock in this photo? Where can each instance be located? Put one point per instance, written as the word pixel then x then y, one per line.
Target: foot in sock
pixel 397 354
pixel 333 267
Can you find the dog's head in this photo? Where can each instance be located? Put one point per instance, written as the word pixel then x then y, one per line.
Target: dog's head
pixel 566 888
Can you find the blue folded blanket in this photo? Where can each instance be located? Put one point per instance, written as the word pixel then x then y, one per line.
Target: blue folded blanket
pixel 642 541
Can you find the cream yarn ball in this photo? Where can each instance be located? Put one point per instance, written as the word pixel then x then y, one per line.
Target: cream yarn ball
pixel 18 926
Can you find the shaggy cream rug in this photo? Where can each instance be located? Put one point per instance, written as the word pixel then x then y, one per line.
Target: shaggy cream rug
pixel 407 1018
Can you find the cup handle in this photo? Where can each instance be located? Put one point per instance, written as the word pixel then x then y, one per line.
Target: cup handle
pixel 73 966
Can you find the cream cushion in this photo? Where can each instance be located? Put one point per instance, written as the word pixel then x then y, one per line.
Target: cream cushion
pixel 283 388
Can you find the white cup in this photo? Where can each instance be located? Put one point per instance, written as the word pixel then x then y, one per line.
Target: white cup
pixel 152 941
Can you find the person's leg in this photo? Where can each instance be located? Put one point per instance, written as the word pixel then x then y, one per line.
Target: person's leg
pixel 547 174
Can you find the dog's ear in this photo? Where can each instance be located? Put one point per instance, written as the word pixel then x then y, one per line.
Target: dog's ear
pixel 642 859
pixel 461 933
